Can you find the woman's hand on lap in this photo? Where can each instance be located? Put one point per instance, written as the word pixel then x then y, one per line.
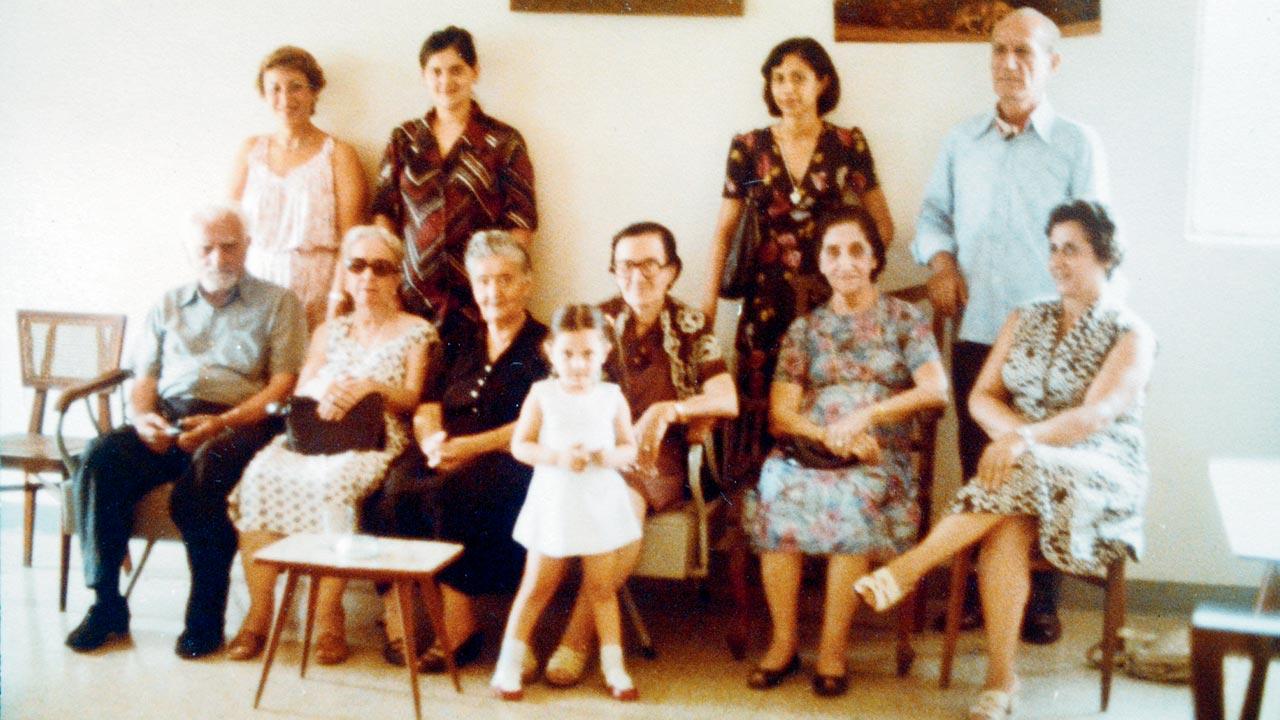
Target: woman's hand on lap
pixel 998 459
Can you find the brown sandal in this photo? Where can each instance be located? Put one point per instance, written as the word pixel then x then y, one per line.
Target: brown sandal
pixel 246 645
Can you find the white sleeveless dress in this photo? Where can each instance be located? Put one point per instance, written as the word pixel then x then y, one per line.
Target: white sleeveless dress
pixel 568 514
pixel 293 226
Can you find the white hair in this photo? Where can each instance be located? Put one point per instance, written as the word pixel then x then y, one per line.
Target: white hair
pixel 496 243
pixel 1046 28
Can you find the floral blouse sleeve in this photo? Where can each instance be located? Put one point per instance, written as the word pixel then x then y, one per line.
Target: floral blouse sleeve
pixel 739 173
pixel 915 336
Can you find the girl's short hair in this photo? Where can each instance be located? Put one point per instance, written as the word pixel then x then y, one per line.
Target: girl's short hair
pixel 450 37
pixel 578 316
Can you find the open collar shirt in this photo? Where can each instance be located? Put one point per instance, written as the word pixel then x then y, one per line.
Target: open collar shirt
pixel 987 203
pixel 226 354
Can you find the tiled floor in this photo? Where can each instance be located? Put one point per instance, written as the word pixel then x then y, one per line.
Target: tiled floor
pixel 693 677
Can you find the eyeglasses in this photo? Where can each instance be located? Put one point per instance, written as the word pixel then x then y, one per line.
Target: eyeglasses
pixel 647 268
pixel 379 266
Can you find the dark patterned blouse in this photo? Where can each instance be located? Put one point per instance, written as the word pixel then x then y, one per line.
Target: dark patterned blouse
pixel 787 282
pixel 438 202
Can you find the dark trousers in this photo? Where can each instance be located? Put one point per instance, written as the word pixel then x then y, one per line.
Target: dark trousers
pixel 118 469
pixel 967 359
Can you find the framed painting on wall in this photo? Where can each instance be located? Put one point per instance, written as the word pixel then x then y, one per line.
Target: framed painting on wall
pixel 631 7
pixel 952 20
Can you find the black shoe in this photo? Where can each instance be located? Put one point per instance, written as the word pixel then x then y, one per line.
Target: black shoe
pixel 103 622
pixel 830 685
pixel 193 644
pixel 433 660
pixel 762 678
pixel 1041 628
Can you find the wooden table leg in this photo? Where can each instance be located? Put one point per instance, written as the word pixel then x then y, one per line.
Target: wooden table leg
pixel 1207 649
pixel 313 592
pixel 404 594
pixel 290 584
pixel 1257 680
pixel 435 611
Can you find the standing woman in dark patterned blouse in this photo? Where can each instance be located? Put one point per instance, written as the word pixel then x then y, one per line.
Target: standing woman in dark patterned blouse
pixel 788 174
pixel 446 176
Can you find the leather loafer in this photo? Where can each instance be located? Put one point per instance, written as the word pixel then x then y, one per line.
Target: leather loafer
pixel 762 678
pixel 830 685
pixel 393 652
pixel 194 644
pixel 433 660
pixel 246 645
pixel 103 622
pixel 1041 628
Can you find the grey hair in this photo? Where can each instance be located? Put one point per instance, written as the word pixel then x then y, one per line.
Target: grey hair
pixel 1047 30
pixel 217 215
pixel 377 232
pixel 496 243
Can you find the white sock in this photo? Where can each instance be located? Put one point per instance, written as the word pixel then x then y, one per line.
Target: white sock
pixel 615 673
pixel 506 676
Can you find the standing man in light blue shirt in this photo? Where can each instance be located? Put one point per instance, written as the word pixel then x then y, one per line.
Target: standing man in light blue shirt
pixel 981 230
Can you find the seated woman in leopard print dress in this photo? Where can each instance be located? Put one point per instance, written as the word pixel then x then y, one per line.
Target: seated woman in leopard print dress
pixel 1061 396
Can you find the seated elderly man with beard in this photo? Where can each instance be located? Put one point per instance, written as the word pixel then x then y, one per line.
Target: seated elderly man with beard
pixel 213 354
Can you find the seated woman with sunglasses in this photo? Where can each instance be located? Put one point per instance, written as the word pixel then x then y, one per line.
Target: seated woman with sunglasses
pixel 371 347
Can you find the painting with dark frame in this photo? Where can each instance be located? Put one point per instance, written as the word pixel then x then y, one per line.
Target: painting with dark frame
pixel 952 20
pixel 631 7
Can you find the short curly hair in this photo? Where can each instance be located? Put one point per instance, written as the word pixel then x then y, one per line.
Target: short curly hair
pixel 1098 226
pixel 816 57
pixel 450 37
pixel 293 58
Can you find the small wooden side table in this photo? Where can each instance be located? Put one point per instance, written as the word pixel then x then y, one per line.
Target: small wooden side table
pixel 401 562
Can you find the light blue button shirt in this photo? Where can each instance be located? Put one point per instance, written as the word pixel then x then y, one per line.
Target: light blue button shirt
pixel 222 354
pixel 988 201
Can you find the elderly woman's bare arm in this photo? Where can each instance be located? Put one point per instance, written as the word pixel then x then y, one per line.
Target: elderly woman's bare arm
pixel 989 400
pixel 785 417
pixel 928 392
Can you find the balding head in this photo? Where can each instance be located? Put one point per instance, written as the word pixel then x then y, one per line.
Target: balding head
pixel 1042 27
pixel 1023 58
pixel 218 240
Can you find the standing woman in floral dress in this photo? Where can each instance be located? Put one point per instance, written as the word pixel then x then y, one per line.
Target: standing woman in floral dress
pixel 300 188
pixel 788 174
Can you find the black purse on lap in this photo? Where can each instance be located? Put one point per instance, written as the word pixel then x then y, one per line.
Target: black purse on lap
pixel 362 428
pixel 813 454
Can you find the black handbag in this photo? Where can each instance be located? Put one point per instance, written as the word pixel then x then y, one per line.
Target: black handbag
pixel 738 273
pixel 813 454
pixel 362 428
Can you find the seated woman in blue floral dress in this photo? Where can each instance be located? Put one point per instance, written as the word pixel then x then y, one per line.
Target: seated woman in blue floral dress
pixel 839 483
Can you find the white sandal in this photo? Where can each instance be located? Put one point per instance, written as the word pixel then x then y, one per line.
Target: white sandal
pixel 565 667
pixel 880 589
pixel 992 705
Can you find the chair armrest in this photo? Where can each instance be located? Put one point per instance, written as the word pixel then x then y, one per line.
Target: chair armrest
pixel 106 382
pixel 103 383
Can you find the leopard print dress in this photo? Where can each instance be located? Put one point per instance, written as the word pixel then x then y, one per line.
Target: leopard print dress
pixel 1089 496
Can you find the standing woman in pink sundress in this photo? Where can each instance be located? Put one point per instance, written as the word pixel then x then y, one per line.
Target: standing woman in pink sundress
pixel 300 188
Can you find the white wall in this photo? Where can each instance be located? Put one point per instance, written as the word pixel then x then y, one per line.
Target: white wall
pixel 119 118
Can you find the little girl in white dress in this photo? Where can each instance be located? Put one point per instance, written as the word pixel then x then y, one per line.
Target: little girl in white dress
pixel 575 430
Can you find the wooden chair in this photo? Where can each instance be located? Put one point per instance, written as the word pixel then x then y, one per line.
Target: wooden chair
pixel 677 541
pixel 58 350
pixel 744 452
pixel 1112 619
pixel 151 521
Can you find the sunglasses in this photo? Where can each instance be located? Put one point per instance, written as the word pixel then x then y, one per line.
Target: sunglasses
pixel 379 266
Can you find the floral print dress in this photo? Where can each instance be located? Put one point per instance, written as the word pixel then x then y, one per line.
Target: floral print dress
pixel 842 363
pixel 1088 496
pixel 787 282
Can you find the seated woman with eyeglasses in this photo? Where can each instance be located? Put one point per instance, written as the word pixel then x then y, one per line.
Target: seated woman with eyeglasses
pixel 371 346
pixel 670 367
